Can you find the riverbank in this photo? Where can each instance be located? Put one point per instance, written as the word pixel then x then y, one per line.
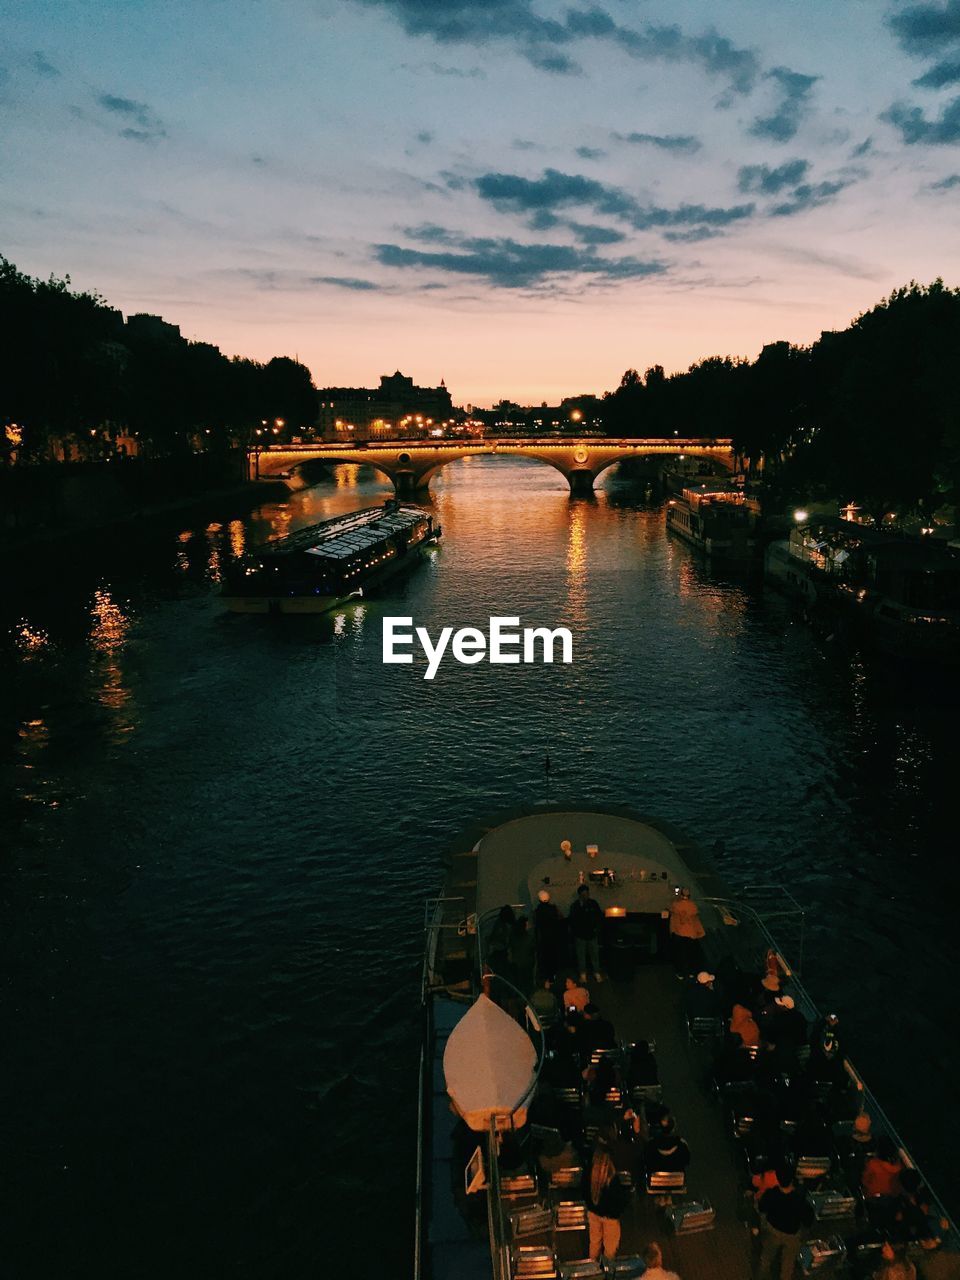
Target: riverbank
pixel 44 507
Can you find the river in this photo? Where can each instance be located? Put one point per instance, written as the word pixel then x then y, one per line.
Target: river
pixel 221 831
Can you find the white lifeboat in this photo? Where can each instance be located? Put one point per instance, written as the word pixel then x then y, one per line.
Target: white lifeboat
pixel 490 1066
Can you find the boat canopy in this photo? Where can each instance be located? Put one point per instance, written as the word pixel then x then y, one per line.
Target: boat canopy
pixel 489 1064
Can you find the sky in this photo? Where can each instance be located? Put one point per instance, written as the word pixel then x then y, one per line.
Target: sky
pixel 524 198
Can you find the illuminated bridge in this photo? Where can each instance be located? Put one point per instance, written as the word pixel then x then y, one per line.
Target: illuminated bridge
pixel 411 464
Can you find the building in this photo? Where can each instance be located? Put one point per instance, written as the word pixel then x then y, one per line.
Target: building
pixel 397 409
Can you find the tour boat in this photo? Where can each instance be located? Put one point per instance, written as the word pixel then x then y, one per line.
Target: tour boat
pixel 899 594
pixel 489 1086
pixel 325 565
pixel 719 521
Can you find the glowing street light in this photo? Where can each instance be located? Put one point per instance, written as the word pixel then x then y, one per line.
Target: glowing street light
pixel 801 516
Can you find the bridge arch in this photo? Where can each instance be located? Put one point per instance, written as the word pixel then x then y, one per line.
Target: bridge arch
pixel 424 476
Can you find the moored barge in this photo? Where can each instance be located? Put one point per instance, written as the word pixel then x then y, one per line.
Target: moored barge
pixel 721 522
pixel 324 565
pixel 495 1095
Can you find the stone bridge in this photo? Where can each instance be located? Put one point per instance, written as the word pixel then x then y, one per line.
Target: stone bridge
pixel 411 464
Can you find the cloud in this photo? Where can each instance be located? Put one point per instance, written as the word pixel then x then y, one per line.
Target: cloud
pixel 925 29
pixel 42 67
pixel 509 263
pixel 143 125
pixel 762 180
pixel 946 184
pixel 809 196
pixel 435 68
pixel 425 136
pixel 864 149
pixel 795 90
pixel 590 153
pixel 346 282
pixel 915 127
pixel 675 142
pixel 541 198
pixel 940 75
pixel 545 42
pixel 590 233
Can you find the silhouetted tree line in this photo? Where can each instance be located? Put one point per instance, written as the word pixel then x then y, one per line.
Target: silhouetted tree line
pixel 69 365
pixel 870 414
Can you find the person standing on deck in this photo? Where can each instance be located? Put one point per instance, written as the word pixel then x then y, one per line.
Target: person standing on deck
pixel 784 1211
pixel 586 919
pixel 686 930
pixel 550 936
pixel 607 1198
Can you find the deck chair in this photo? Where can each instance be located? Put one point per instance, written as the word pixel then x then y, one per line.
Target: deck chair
pixel 582 1269
pixel 534 1220
pixel 702 1029
pixel 660 1183
pixel 813 1169
pixel 569 1214
pixel 571 1176
pixel 626 1267
pixel 534 1262
pixel 821 1255
pixel 520 1186
pixel 691 1217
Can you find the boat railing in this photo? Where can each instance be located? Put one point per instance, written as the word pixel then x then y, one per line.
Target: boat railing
pixel 769 903
pixel 734 909
pixel 481 924
pixel 443 918
pixel 511 999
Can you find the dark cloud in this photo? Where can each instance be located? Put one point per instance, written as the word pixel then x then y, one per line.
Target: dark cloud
pixel 675 142
pixel 143 125
pixel 590 233
pixel 760 179
pixel 540 199
pixel 525 144
pixel 590 153
pixel 915 127
pixel 545 42
pixel 946 184
pixel 794 91
pixel 42 67
pixel 940 75
pixel 925 29
pixel 809 196
pixel 864 149
pixel 692 236
pixel 509 263
pixel 425 136
pixel 346 282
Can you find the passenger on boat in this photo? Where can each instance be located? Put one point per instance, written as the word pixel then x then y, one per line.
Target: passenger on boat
pixel 743 1024
pixel 686 930
pixel 550 935
pixel 596 1032
pixel 912 1217
pixel 606 1199
pixel 556 1154
pixel 784 1028
pixel 498 943
pixel 653 1261
pixel 521 954
pixel 880 1181
pixel 666 1153
pixel 732 1064
pixel 785 1211
pixel 545 1004
pixel 642 1070
pixel 894 1265
pixel 575 997
pixel 624 1150
pixel 566 848
pixel 586 921
pixel 702 999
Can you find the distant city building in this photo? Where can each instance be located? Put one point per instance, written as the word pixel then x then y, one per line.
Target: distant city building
pixel 153 328
pixel 395 410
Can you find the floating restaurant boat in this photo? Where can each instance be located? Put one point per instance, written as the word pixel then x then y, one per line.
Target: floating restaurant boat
pixel 901 595
pixel 325 565
pixel 496 1092
pixel 721 522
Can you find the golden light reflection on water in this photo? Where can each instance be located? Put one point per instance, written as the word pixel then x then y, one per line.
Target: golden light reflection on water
pixel 109 632
pixel 238 538
pixel 30 641
pixel 577 563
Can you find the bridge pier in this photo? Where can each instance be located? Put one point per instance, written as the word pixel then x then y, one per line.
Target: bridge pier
pixel 581 483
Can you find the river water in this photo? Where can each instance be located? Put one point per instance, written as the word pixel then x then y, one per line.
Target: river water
pixel 221 831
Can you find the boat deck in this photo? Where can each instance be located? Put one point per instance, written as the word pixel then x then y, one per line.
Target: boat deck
pixel 649 1008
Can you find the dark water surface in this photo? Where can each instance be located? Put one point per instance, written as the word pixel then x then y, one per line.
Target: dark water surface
pixel 221 831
